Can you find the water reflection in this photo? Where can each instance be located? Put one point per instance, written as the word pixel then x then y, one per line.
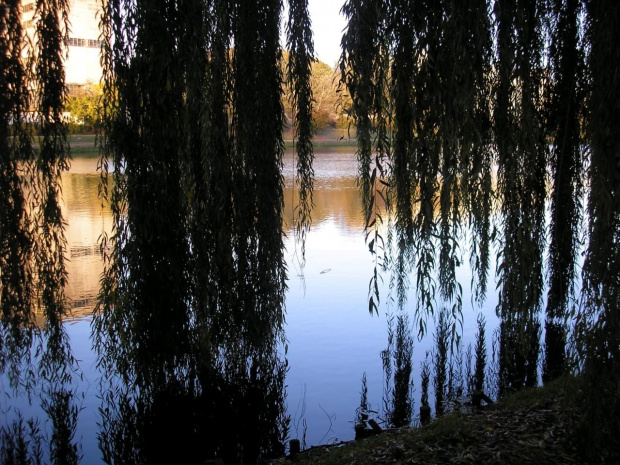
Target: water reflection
pixel 336 204
pixel 336 201
pixel 331 342
pixel 86 219
pixel 22 440
pixel 228 412
pixel 235 386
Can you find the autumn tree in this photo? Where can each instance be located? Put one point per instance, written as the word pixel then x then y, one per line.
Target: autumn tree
pixel 326 98
pixel 329 104
pixel 85 106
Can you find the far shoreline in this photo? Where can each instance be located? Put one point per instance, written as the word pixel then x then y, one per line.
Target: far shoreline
pixel 83 145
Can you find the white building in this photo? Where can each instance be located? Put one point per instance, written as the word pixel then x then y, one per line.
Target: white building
pixel 82 65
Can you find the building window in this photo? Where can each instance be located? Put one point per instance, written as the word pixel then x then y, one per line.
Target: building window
pixel 28 7
pixel 28 23
pixel 78 42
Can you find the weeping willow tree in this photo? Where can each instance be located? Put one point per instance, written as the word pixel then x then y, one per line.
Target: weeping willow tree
pixel 418 75
pixel 521 162
pixel 33 154
pixel 443 109
pixel 566 114
pixel 455 103
pixel 364 68
pixel 192 298
pixel 598 337
pixel 472 118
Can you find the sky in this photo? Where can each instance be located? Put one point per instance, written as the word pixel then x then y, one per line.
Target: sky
pixel 327 27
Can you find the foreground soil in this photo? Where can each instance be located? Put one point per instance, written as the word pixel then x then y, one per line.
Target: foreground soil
pixel 536 426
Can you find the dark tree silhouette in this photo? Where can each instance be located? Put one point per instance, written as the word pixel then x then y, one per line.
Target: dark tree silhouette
pixel 470 108
pixel 32 243
pixel 465 110
pixel 191 308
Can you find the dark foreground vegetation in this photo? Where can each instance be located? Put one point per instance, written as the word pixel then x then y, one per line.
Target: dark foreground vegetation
pixel 454 104
pixel 534 426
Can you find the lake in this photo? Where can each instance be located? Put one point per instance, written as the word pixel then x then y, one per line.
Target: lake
pixel 332 339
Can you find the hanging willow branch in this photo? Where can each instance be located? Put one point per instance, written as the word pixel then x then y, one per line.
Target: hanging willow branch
pixel 301 55
pixel 522 162
pixel 364 68
pixel 418 75
pixel 565 116
pixel 32 270
pixel 147 272
pixel 598 338
pixel 16 238
pixel 470 78
pixel 53 158
pixel 192 298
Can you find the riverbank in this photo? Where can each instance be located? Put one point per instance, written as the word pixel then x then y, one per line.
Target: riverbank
pixel 83 145
pixel 330 137
pixel 535 426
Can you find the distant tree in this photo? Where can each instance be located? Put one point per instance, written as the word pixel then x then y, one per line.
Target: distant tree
pixel 327 106
pixel 324 89
pixel 85 106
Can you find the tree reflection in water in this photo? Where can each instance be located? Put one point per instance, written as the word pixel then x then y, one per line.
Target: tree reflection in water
pixel 233 410
pixel 22 441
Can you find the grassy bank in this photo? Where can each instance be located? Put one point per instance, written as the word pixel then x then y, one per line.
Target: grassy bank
pixel 330 137
pixel 318 144
pixel 84 145
pixel 535 426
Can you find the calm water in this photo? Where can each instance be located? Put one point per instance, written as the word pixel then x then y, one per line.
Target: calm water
pixel 332 340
